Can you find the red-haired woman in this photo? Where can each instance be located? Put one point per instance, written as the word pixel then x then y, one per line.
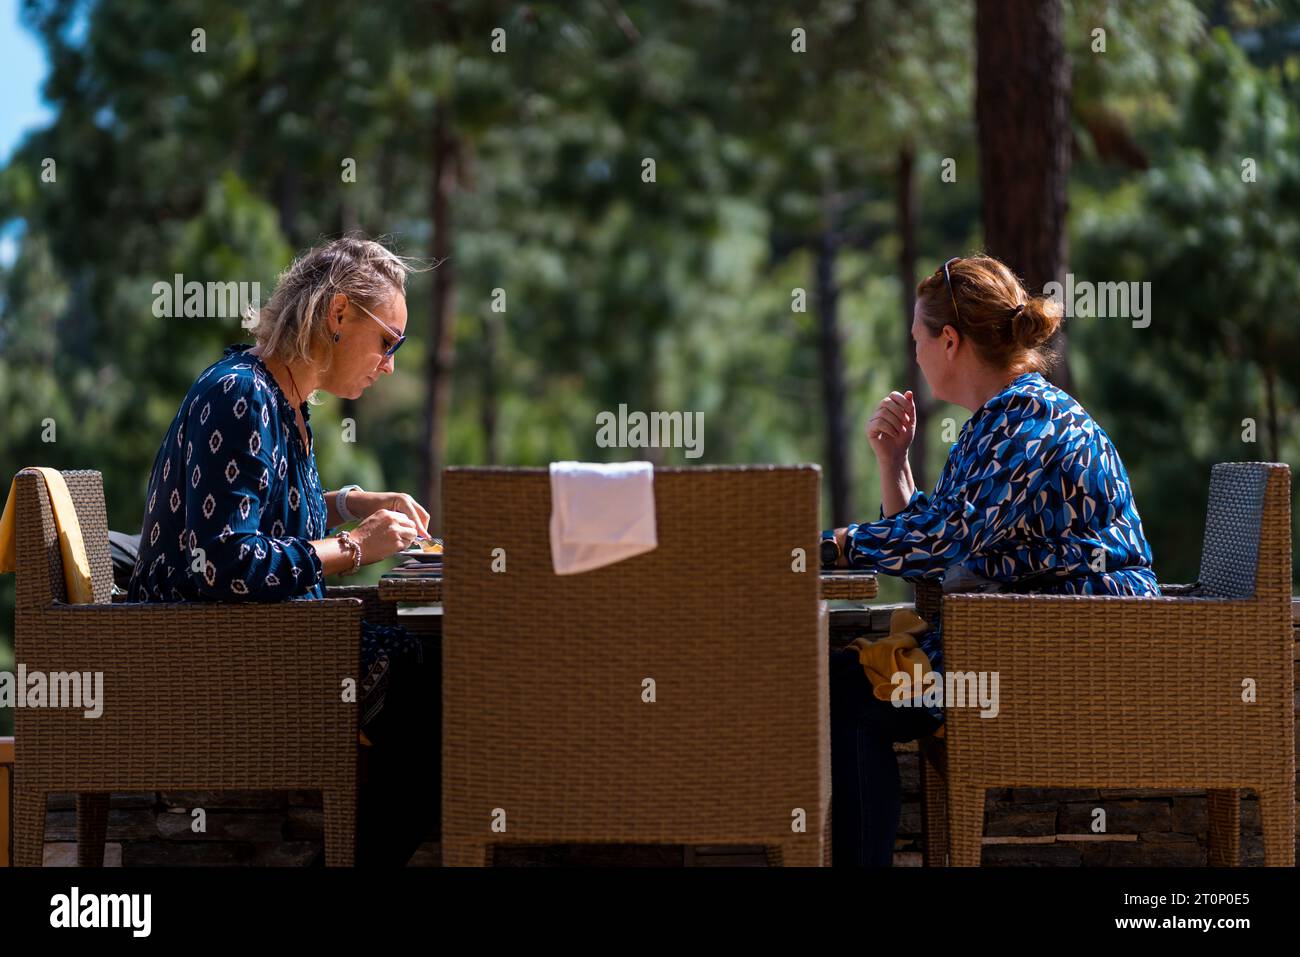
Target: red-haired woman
pixel 1033 497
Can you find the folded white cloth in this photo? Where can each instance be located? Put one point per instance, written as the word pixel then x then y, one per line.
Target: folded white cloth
pixel 600 514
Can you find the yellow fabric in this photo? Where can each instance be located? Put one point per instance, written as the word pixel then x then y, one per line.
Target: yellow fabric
pixel 896 653
pixel 76 566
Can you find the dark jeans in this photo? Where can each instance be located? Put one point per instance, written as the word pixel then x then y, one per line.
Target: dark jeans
pixel 865 789
pixel 397 798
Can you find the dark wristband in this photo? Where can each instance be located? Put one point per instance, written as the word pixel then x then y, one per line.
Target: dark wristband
pixel 830 552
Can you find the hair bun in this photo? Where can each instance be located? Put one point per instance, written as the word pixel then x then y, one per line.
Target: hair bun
pixel 1035 321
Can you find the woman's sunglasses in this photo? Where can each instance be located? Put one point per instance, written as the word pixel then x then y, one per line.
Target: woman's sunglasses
pixel 948 279
pixel 397 336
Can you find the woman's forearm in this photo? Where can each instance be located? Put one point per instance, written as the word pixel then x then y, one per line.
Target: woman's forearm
pixel 896 486
pixel 334 558
pixel 332 516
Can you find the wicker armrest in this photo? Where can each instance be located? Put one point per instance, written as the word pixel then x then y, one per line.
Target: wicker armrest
pixel 375 609
pixel 1091 684
pixel 1036 612
pixel 1131 648
pixel 332 605
pixel 197 694
pixel 330 623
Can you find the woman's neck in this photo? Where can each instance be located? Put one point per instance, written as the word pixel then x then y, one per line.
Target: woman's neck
pixel 295 380
pixel 984 385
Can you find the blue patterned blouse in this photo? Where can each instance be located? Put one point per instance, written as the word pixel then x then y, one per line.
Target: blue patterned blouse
pixel 234 497
pixel 1033 492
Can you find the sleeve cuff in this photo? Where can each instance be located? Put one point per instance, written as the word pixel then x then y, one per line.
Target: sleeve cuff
pixel 314 570
pixel 849 534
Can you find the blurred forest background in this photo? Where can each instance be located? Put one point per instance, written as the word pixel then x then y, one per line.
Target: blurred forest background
pixel 796 147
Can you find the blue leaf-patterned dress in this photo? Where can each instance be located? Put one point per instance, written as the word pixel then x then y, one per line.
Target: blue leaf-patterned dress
pixel 1033 493
pixel 234 499
pixel 234 502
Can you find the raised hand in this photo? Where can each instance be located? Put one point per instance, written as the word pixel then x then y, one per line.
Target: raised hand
pixel 892 427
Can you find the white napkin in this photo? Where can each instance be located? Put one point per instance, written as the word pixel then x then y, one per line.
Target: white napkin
pixel 600 514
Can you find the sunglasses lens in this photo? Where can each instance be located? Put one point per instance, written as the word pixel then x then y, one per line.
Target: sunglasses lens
pixel 396 345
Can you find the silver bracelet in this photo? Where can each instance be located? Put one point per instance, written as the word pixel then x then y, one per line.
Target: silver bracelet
pixel 341 503
pixel 353 548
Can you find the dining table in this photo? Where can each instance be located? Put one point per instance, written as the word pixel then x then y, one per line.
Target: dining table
pixel 425 588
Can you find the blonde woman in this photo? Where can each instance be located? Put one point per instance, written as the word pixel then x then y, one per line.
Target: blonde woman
pixel 235 508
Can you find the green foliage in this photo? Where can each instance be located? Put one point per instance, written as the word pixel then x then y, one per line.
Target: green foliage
pixel 1217 240
pixel 674 294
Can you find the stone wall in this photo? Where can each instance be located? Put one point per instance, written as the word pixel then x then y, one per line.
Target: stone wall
pixel 260 828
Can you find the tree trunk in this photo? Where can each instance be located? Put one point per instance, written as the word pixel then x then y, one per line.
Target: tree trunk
pixel 491 341
pixel 832 362
pixel 1022 108
pixel 1270 399
pixel 905 189
pixel 441 349
pixel 286 201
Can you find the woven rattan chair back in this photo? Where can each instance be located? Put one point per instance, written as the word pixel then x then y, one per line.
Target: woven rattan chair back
pixel 38 542
pixel 678 697
pixel 1230 556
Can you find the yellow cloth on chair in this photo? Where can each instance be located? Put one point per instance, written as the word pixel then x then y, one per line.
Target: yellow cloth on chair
pixel 896 653
pixel 76 566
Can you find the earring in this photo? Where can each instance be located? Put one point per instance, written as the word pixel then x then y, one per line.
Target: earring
pixel 336 337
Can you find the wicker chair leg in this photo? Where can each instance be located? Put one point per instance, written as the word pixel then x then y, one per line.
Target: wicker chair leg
pixel 92 828
pixel 29 827
pixel 934 804
pixel 1277 815
pixel 828 849
pixel 466 853
pixel 340 827
pixel 965 824
pixel 1224 805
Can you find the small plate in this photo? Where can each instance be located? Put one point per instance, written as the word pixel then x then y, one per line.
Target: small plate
pixel 419 552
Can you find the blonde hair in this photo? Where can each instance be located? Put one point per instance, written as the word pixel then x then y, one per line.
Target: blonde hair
pixel 1007 326
pixel 293 326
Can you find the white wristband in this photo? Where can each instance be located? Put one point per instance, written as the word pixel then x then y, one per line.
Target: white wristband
pixel 341 503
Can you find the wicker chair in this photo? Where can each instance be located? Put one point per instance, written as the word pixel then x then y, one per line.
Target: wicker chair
pixel 196 695
pixel 6 789
pixel 1121 692
pixel 544 725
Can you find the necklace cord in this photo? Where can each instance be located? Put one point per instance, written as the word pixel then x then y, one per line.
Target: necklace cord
pixel 297 391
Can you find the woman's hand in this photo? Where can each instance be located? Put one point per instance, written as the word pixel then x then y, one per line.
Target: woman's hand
pixel 368 503
pixel 384 533
pixel 892 427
